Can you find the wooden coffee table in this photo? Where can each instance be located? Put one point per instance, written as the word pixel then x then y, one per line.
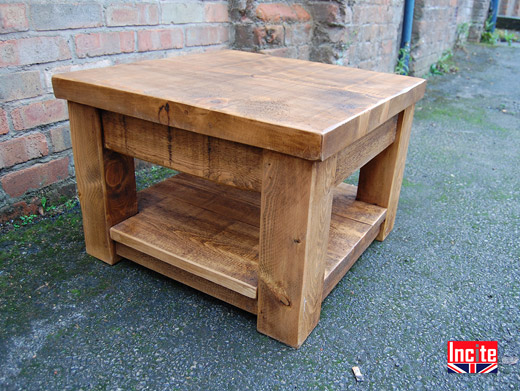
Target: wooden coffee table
pixel 260 216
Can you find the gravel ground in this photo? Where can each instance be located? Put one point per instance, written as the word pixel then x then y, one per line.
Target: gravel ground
pixel 449 271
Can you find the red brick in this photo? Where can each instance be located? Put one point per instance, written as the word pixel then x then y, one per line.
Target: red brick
pixel 216 12
pixel 206 35
pixel 269 35
pixel 132 14
pixel 20 85
pixel 39 113
pixel 276 12
pixel 326 13
pixel 60 138
pixel 35 177
pixel 160 39
pixel 22 149
pixel 13 18
pixel 4 125
pixel 99 44
pixel 18 209
pixel 33 51
pixel 301 14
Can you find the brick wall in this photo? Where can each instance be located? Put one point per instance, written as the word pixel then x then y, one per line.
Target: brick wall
pixel 479 15
pixel 436 24
pixel 364 34
pixel 279 29
pixel 38 39
pixel 509 8
pixel 361 34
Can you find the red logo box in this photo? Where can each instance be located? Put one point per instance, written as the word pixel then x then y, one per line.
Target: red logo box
pixel 472 356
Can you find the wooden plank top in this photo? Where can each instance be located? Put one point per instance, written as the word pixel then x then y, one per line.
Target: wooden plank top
pixel 301 108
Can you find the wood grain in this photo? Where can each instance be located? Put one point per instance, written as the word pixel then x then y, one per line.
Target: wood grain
pixel 201 284
pixel 243 206
pixel 219 160
pixel 380 179
pixel 294 225
pixel 363 150
pixel 205 243
pixel 288 128
pixel 300 108
pixel 353 227
pixel 105 179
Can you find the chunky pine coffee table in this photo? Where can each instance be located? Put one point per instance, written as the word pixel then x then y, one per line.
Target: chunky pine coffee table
pixel 260 216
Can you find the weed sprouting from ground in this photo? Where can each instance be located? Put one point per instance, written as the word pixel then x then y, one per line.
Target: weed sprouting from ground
pixel 403 60
pixel 444 65
pixel 462 35
pixel 489 36
pixel 508 36
pixel 144 178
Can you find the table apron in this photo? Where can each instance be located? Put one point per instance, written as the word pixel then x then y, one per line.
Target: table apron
pixel 219 160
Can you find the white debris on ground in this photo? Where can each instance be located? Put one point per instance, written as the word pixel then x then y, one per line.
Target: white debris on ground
pixel 358 374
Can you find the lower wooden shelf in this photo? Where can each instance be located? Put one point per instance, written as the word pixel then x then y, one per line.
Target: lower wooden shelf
pixel 206 235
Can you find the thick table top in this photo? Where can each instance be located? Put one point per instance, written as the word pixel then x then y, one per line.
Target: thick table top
pixel 306 109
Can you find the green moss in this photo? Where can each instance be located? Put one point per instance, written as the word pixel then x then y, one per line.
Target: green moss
pixel 443 110
pixel 44 261
pixel 146 178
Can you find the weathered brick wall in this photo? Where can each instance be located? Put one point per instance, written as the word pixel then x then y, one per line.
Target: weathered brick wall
pixel 436 26
pixel 509 8
pixel 479 15
pixel 38 39
pixel 364 34
pixel 279 29
pixel 373 34
pixel 361 34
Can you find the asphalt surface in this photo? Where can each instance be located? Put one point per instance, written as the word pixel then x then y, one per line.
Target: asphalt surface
pixel 449 271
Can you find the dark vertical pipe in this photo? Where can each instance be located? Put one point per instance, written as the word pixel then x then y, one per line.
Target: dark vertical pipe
pixel 494 13
pixel 406 37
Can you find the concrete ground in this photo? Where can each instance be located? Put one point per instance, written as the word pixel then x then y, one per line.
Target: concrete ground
pixel 449 271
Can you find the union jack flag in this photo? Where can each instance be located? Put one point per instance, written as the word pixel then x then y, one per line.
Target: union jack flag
pixel 472 368
pixel 472 356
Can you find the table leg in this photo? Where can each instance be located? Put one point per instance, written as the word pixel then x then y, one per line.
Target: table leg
pixel 295 220
pixel 380 179
pixel 105 179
